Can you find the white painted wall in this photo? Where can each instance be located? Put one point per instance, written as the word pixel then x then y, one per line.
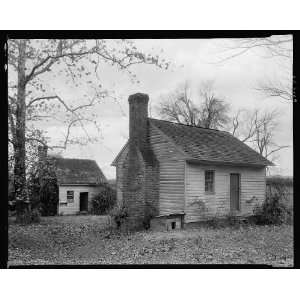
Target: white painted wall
pixel 199 205
pixel 73 208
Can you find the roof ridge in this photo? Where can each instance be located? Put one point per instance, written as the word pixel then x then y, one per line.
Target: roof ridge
pixel 193 126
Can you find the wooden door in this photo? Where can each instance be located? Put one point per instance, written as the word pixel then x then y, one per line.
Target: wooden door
pixel 83 201
pixel 234 192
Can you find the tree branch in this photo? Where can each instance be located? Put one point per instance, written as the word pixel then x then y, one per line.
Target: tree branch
pixel 34 71
pixel 37 140
pixel 277 149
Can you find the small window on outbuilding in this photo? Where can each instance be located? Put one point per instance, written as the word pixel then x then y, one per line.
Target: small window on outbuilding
pixel 209 181
pixel 70 196
pixel 173 225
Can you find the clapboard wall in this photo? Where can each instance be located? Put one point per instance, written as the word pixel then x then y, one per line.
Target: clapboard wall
pixel 72 208
pixel 199 205
pixel 171 173
pixel 181 184
pixel 120 173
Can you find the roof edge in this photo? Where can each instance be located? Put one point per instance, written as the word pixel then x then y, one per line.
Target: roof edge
pixel 182 124
pixel 223 163
pixel 268 162
pixel 178 148
pixel 81 184
pixel 114 162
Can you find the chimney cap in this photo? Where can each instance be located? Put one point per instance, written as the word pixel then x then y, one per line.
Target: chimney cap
pixel 139 97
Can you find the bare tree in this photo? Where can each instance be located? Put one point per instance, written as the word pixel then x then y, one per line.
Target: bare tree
pixel 177 106
pixel 257 129
pixel 265 127
pixel 277 46
pixel 208 111
pixel 32 99
pixel 214 110
pixel 273 46
pixel 272 88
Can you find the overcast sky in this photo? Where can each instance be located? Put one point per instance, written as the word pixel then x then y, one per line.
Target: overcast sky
pixel 192 60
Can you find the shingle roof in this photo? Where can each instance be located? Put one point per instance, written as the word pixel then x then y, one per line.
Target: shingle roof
pixel 209 144
pixel 78 171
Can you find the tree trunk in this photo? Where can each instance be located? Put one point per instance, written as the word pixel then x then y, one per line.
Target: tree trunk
pixel 22 205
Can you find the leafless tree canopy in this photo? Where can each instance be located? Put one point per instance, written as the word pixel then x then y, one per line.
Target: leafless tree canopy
pixel 214 110
pixel 257 128
pixel 273 47
pixel 208 110
pixel 282 89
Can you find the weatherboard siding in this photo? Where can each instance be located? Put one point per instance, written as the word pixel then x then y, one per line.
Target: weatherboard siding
pixel 120 174
pixel 171 173
pixel 181 184
pixel 74 207
pixel 199 205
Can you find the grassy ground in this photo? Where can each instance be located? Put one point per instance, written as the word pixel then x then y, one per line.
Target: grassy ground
pixel 86 240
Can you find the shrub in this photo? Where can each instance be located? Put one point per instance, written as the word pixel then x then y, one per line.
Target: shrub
pixel 215 222
pixel 118 215
pixel 104 200
pixel 282 187
pixel 35 216
pixel 49 198
pixel 230 220
pixel 43 196
pixel 273 211
pixel 150 212
pixel 29 216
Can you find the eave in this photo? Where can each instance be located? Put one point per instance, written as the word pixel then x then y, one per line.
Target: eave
pixel 114 163
pixel 224 163
pixel 79 184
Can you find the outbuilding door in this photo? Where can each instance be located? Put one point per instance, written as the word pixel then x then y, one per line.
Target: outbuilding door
pixel 234 192
pixel 83 197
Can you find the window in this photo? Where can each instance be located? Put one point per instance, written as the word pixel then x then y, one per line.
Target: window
pixel 70 196
pixel 209 181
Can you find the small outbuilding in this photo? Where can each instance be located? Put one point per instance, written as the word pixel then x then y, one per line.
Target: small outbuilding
pixel 185 173
pixel 78 180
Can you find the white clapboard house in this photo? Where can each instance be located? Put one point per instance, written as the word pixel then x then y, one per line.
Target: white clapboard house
pixel 188 173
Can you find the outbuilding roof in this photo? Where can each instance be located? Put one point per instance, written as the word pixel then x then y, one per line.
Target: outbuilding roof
pixel 78 171
pixel 209 145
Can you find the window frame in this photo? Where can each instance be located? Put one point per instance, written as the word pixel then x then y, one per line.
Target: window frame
pixel 209 192
pixel 68 199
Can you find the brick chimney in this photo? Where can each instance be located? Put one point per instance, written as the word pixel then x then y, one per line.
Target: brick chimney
pixel 141 168
pixel 138 114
